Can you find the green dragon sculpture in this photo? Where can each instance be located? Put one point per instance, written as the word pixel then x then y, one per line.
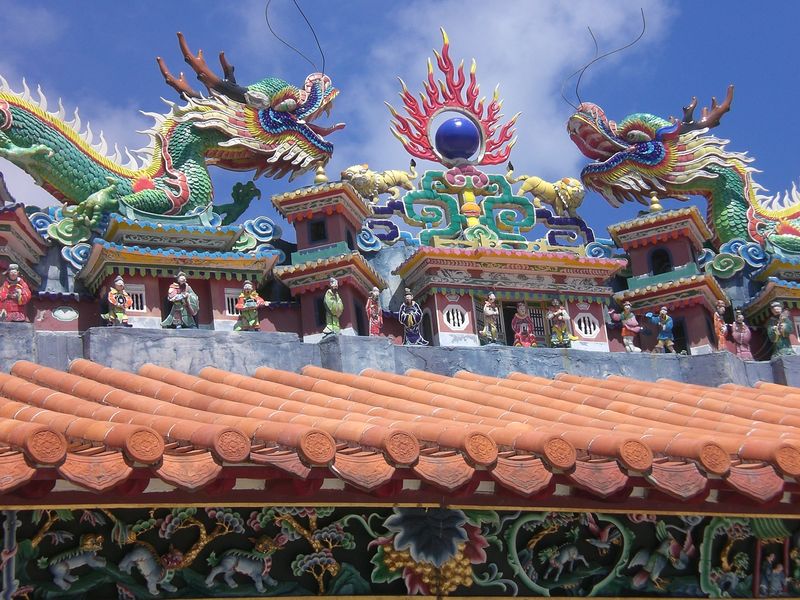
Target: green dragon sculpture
pixel 265 127
pixel 645 154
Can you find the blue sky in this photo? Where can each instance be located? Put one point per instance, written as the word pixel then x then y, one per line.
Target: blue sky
pixel 101 58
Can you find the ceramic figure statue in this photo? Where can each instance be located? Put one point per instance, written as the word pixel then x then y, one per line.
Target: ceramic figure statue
pixel 334 307
pixel 410 317
pixel 375 312
pixel 666 339
pixel 371 184
pixel 630 326
pixel 119 303
pixel 560 336
pixel 184 304
pixel 248 304
pixel 14 295
pixel 741 335
pixel 720 326
pixel 491 317
pixel 522 325
pixel 779 327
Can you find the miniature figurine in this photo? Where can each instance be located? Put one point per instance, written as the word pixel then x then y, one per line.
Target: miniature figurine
pixel 666 339
pixel 491 316
pixel 333 308
pixel 185 304
pixel 371 184
pixel 564 196
pixel 560 336
pixel 522 325
pixel 14 295
pixel 119 302
pixel 410 317
pixel 720 326
pixel 779 327
pixel 630 326
pixel 375 312
pixel 248 304
pixel 741 335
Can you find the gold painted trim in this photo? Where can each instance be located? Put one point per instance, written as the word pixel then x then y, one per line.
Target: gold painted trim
pixel 538 508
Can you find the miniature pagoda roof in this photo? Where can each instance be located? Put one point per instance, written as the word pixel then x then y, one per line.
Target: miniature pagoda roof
pixel 677 292
pixel 782 267
pixel 326 198
pixel 419 434
pixel 546 274
pixel 107 258
pixel 321 263
pixel 22 243
pixel 133 232
pixel 780 290
pixel 661 226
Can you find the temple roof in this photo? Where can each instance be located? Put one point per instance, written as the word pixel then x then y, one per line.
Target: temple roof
pixel 107 258
pixel 182 235
pixel 683 291
pixel 314 273
pixel 323 199
pixel 661 226
pixel 775 290
pixel 549 274
pixel 618 439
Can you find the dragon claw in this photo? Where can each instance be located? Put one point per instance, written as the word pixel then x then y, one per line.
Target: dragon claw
pixel 661 583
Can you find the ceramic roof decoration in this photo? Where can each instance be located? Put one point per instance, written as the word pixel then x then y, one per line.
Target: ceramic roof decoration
pixel 463 202
pixel 99 427
pixel 645 153
pixel 265 127
pixel 108 257
pixel 661 226
pixel 406 382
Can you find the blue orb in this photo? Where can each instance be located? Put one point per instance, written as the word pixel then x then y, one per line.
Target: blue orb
pixel 457 138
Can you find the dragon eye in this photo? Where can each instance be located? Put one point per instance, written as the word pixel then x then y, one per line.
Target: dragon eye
pixel 287 105
pixel 637 136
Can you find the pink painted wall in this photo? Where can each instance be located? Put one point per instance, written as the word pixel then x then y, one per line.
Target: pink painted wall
pixel 595 309
pixel 42 311
pixel 465 302
pixel 281 318
pixel 216 290
pixel 680 251
pixel 697 326
pixel 430 304
pixel 308 318
pixel 335 225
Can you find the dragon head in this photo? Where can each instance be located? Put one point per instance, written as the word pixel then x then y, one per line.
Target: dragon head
pixel 645 154
pixel 267 126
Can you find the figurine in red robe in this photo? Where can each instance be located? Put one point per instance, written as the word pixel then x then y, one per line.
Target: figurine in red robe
pixel 14 295
pixel 375 312
pixel 720 326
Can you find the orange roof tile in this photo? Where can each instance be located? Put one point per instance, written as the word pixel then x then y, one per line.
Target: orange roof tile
pixel 104 429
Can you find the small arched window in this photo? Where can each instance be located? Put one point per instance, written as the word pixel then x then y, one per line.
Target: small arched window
pixel 427 329
pixel 660 261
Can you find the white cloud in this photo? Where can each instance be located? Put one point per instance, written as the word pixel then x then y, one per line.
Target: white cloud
pixel 24 26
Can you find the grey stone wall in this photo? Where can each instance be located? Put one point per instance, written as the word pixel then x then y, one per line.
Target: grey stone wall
pixel 189 350
pixel 19 341
pixel 354 354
